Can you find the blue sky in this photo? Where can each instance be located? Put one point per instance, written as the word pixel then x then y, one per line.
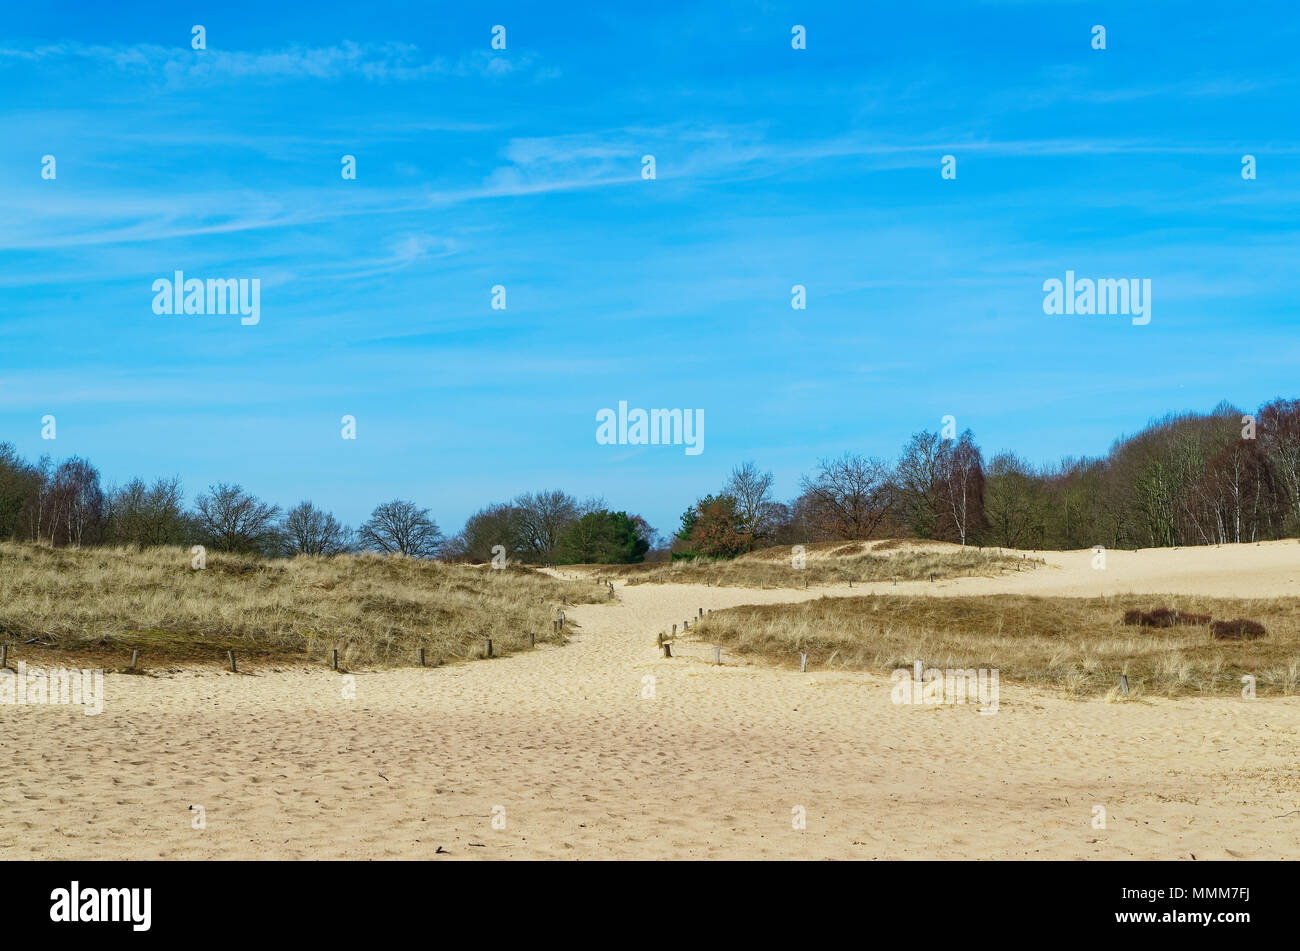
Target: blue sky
pixel 522 168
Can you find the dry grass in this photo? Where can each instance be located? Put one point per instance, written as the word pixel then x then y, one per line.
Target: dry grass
pixel 374 610
pixel 1080 645
pixel 833 563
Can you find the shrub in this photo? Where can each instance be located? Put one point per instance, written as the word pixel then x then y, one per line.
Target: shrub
pixel 1237 630
pixel 1162 617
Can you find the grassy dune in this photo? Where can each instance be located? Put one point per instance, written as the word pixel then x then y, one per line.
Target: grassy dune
pixel 1080 645
pixel 832 563
pixel 374 610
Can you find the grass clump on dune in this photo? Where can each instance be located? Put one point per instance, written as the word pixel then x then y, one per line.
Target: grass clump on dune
pixel 827 563
pixel 1080 645
pixel 375 610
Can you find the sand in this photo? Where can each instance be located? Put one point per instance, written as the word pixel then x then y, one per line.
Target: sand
pixel 560 746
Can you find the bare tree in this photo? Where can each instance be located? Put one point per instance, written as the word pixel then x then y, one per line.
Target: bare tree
pixel 1279 437
pixel 497 524
pixel 19 488
pixel 755 508
pixel 849 496
pixel 145 515
pixel 233 520
pixel 69 508
pixel 1012 493
pixel 543 519
pixel 960 470
pixel 307 530
pixel 1235 499
pixel 918 482
pixel 403 528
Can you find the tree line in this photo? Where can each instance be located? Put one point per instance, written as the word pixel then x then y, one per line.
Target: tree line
pixel 1185 479
pixel 66 505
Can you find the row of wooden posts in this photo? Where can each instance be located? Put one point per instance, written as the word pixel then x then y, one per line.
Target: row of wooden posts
pixel 686 626
pixel 487 653
pixel 763 585
pixel 804 658
pixel 334 654
pixel 4 657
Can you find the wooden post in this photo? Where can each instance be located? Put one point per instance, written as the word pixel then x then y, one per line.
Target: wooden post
pixel 135 656
pixel 803 663
pixel 686 626
pixel 488 640
pixel 532 639
pixel 932 577
pixel 564 599
pixel 717 655
pixel 419 656
pixel 674 632
pixel 1123 684
pixel 230 656
pixel 4 656
pixel 701 612
pixel 805 583
pixel 668 649
pixel 334 659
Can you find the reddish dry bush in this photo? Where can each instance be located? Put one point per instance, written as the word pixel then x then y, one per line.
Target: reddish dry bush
pixel 1237 630
pixel 1163 617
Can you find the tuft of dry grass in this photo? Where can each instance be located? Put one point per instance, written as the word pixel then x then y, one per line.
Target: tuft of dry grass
pixel 374 610
pixel 828 563
pixel 1079 645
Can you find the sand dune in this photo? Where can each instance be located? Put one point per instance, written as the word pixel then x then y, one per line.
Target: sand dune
pixel 586 767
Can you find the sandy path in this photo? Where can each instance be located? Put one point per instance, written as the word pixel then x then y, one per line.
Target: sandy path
pixel 712 766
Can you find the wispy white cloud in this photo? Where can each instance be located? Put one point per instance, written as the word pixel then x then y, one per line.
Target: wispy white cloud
pixel 378 62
